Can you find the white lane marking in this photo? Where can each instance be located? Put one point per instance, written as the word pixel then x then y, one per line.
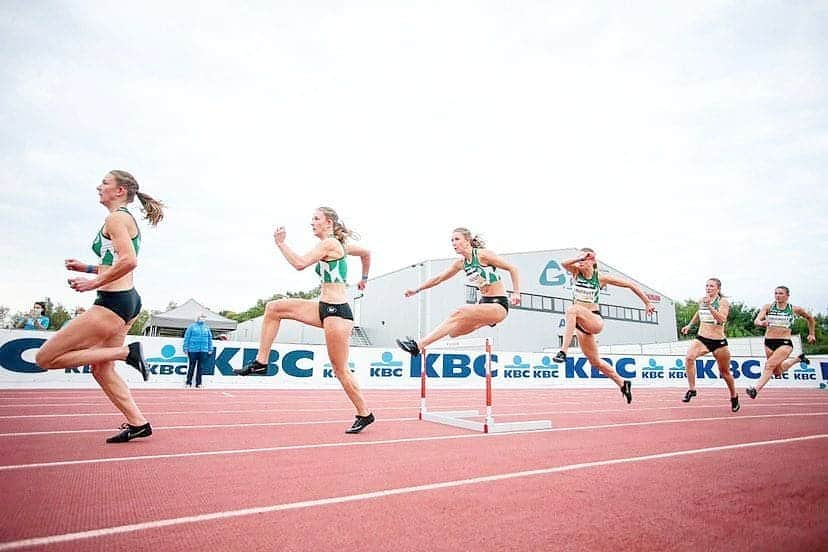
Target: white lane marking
pixel 324 422
pixel 121 529
pixel 59 463
pixel 407 408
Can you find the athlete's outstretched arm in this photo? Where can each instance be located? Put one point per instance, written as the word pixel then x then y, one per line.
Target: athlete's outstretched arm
pixel 355 250
pixel 492 259
pixel 453 269
pixel 620 282
pixel 811 323
pixel 301 262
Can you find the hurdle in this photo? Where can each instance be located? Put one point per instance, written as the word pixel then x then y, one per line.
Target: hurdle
pixel 459 418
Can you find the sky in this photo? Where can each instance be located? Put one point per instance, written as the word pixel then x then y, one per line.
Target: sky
pixel 680 140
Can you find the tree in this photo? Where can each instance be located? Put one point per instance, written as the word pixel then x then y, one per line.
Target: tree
pixel 258 309
pixel 684 314
pixel 740 321
pixel 138 326
pixel 4 312
pixel 59 315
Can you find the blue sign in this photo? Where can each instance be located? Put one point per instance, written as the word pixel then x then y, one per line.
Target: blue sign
pixel 552 275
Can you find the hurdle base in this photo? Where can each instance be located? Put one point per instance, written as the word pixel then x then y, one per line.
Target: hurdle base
pixel 533 425
pixel 456 419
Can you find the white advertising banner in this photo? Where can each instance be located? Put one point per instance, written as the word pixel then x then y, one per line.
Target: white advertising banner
pixel 308 366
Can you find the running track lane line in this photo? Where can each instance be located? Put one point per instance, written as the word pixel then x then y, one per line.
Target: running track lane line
pixel 385 442
pixel 121 529
pixel 408 408
pixel 325 422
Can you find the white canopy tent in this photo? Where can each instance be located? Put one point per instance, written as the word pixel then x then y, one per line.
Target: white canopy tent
pixel 174 322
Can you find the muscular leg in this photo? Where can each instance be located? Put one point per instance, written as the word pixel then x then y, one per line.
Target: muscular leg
pixel 302 310
pixel 773 364
pixel 722 356
pixel 81 341
pixel 580 315
pixel 113 384
pixel 465 320
pixel 590 350
pixel 696 349
pixel 338 339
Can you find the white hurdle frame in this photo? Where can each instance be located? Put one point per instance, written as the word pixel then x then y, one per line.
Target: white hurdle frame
pixel 458 418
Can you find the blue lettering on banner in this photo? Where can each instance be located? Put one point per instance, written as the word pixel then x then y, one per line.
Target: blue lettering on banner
pixel 704 369
pixel 168 364
pixel 454 365
pixel 678 371
pixel 518 368
pixel 652 370
pixel 824 367
pixel 575 368
pixel 328 371
pixel 290 363
pixel 11 355
pixel 803 372
pixel 387 366
pixel 546 369
pixel 748 369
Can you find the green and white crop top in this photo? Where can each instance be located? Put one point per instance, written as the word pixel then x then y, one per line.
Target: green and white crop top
pixel 105 250
pixel 705 316
pixel 586 290
pixel 780 318
pixel 480 275
pixel 335 271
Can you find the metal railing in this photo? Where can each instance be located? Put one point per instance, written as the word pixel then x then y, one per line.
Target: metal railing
pixel 558 305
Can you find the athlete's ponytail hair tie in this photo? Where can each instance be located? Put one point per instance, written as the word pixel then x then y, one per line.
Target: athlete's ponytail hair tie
pixel 476 241
pixel 152 208
pixel 340 231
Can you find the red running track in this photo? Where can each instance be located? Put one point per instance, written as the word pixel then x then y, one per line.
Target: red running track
pixel 273 470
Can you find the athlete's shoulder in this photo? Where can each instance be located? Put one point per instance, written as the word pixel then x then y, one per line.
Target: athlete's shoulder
pixel 119 218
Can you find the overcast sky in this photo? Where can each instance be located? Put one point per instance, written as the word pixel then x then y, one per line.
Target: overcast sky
pixel 681 140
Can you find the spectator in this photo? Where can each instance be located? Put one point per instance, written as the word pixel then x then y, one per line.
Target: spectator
pixel 36 319
pixel 198 344
pixel 78 311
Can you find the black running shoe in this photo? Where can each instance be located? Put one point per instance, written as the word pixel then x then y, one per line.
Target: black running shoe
pixel 135 358
pixel 752 392
pixel 689 395
pixel 254 367
pixel 734 404
pixel 560 357
pixel 361 423
pixel 626 390
pixel 409 346
pixel 803 359
pixel 131 432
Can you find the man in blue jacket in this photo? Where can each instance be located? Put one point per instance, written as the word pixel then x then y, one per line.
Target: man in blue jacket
pixel 198 344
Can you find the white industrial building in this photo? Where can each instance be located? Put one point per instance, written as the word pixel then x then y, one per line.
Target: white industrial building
pixel 383 314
